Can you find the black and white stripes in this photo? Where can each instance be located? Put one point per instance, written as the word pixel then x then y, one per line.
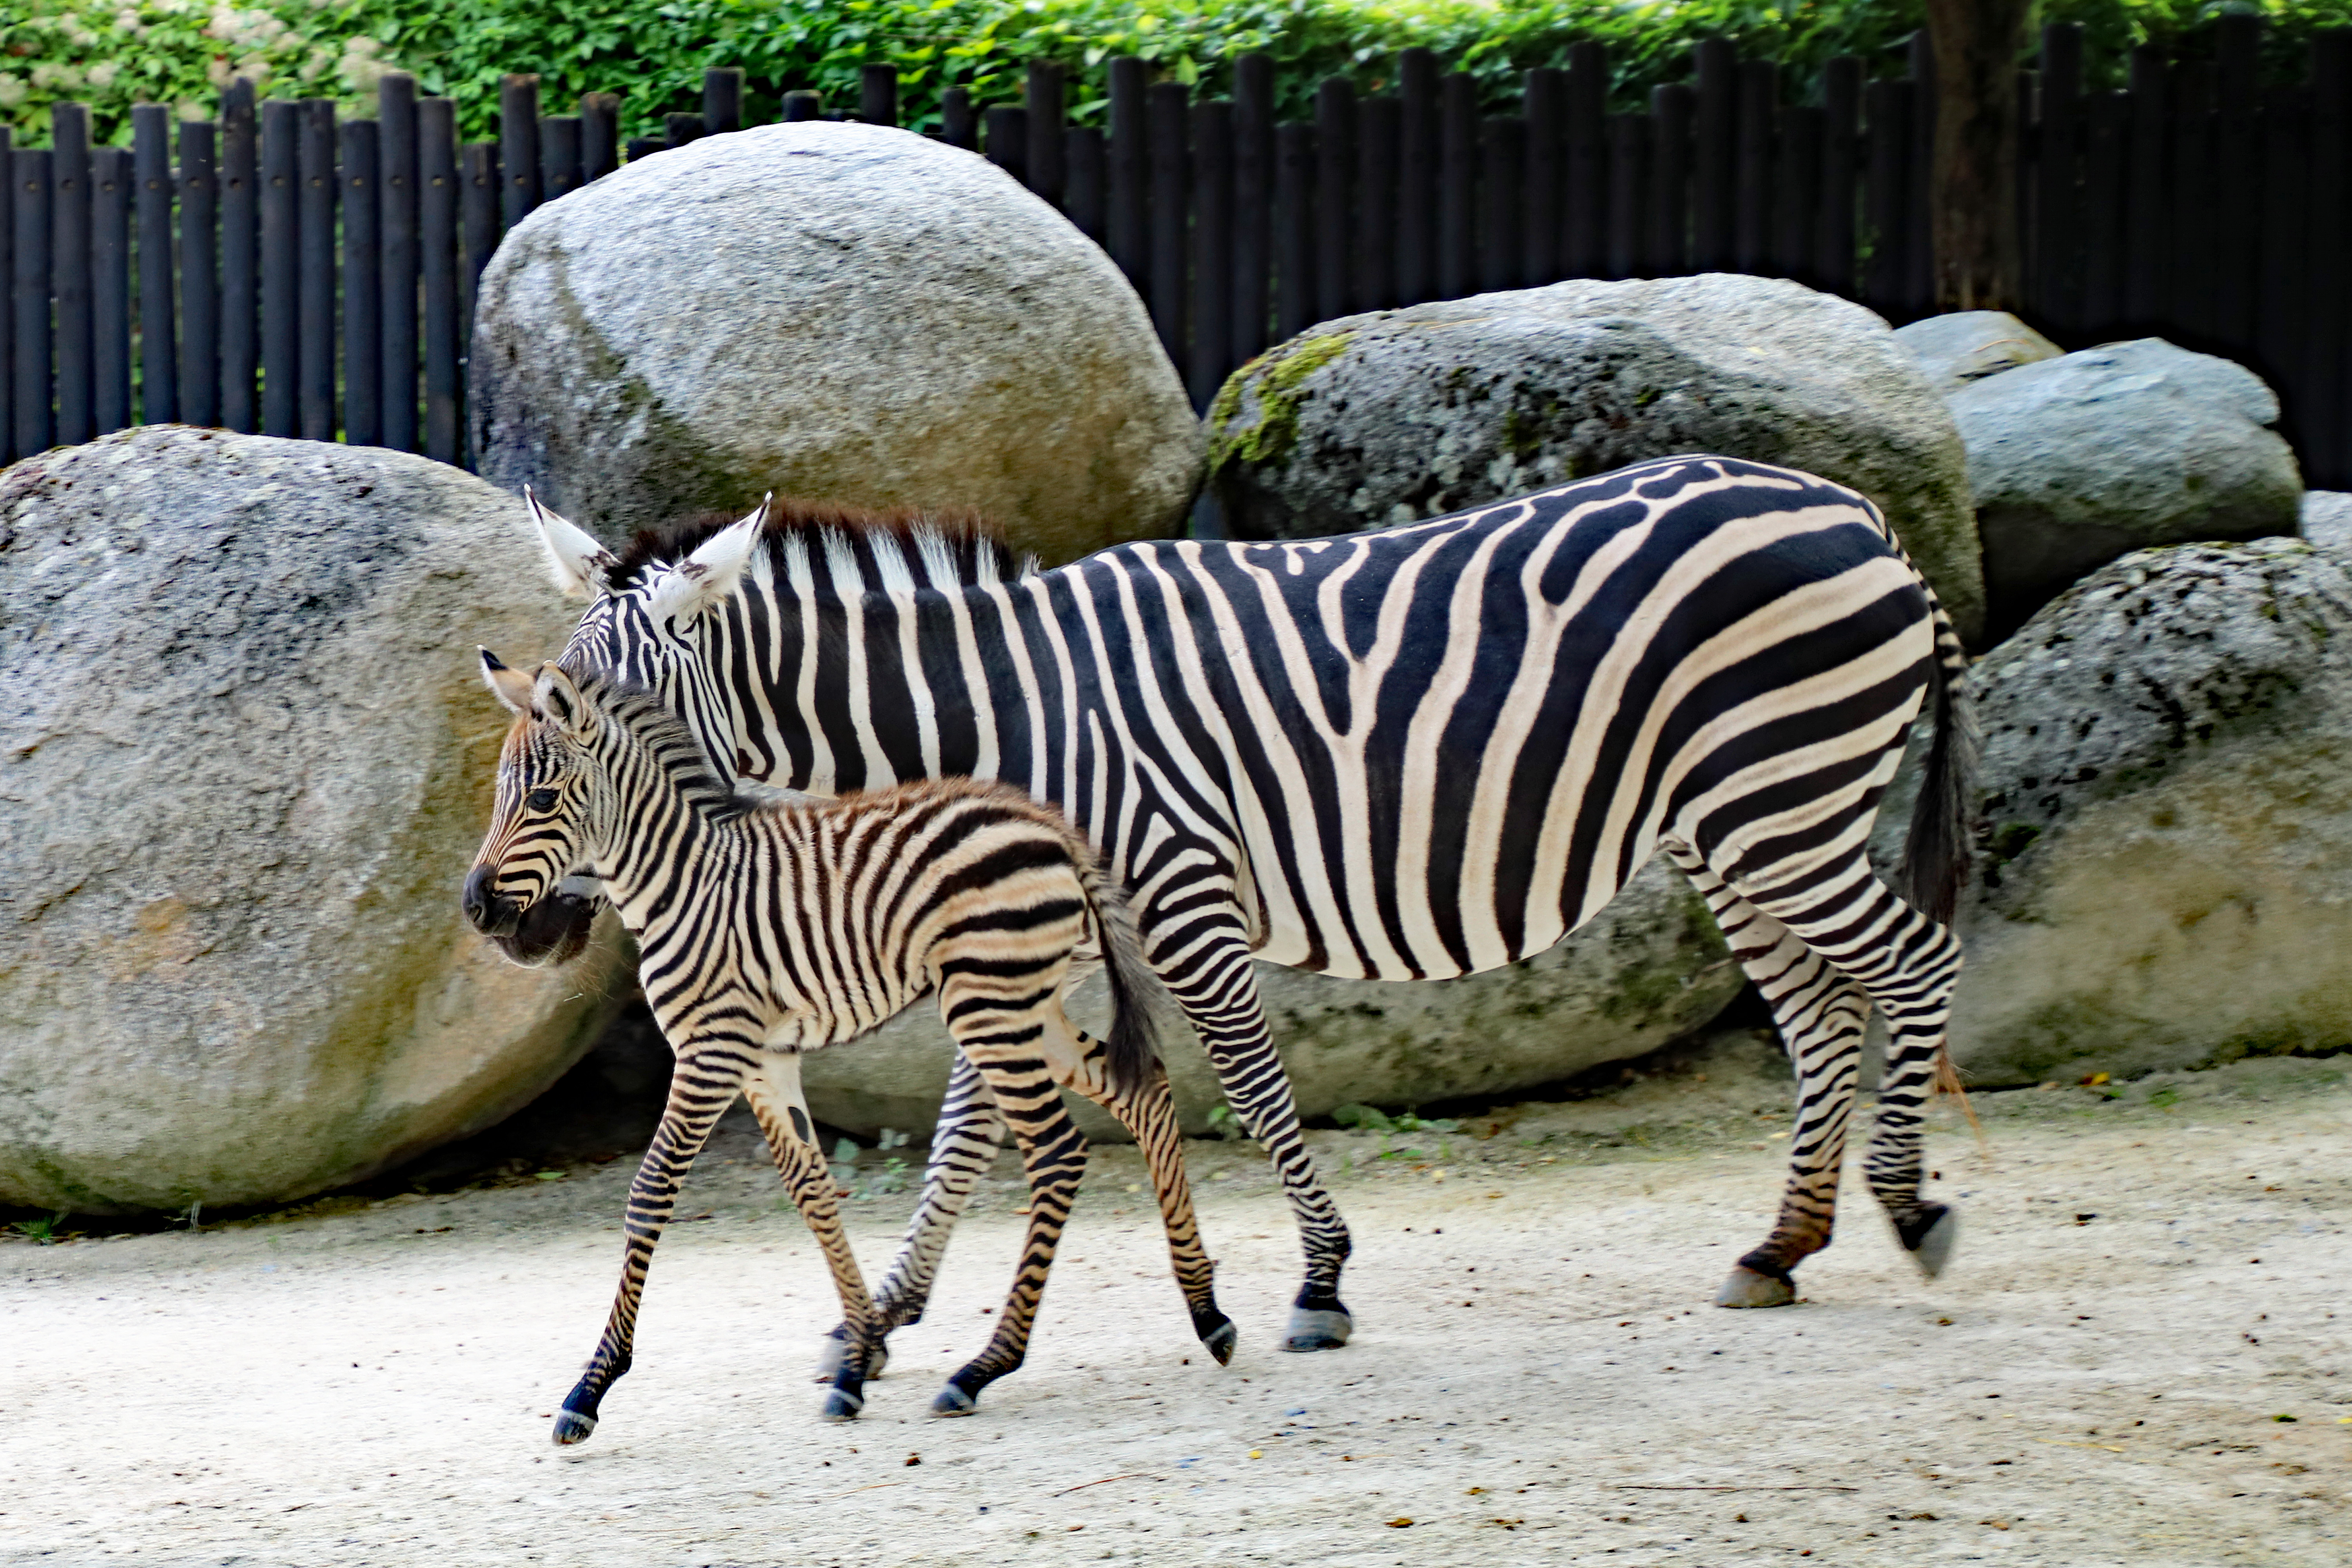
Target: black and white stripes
pixel 1421 752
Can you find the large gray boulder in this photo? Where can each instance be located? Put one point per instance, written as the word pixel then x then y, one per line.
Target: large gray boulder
pixel 2324 517
pixel 843 312
pixel 1402 415
pixel 1961 346
pixel 2077 460
pixel 2165 869
pixel 1651 969
pixel 245 761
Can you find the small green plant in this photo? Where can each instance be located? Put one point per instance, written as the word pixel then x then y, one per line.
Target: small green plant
pixel 890 1178
pixel 844 1165
pixel 1224 1123
pixel 891 1138
pixel 2165 1098
pixel 44 1231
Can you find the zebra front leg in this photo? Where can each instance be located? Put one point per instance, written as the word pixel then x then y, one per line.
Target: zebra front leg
pixel 702 1085
pixel 970 1132
pixel 1150 1113
pixel 775 1092
pixel 1214 986
pixel 1820 1014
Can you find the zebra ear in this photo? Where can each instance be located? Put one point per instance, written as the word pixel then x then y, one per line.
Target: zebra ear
pixel 710 573
pixel 555 699
pixel 576 560
pixel 512 687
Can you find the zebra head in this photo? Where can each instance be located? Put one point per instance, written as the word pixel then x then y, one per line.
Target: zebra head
pixel 522 891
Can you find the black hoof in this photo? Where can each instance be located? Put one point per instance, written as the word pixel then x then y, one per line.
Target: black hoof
pixel 572 1426
pixel 1750 1287
pixel 953 1401
pixel 840 1405
pixel 1221 1340
pixel 1318 1329
pixel 1929 1234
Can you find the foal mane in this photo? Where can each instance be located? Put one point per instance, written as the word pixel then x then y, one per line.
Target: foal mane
pixel 666 736
pixel 944 548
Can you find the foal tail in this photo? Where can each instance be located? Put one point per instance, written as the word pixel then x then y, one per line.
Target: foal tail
pixel 1139 1000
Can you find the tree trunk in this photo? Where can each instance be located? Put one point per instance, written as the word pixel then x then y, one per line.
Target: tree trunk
pixel 1972 195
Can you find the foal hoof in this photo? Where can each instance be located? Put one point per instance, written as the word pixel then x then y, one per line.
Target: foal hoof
pixel 840 1404
pixel 1747 1288
pixel 571 1427
pixel 953 1401
pixel 833 1353
pixel 1316 1328
pixel 1221 1340
pixel 1931 1236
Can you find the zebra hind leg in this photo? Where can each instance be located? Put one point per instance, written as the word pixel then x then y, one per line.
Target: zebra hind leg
pixel 1150 1113
pixel 970 1132
pixel 1820 1014
pixel 775 1092
pixel 701 1087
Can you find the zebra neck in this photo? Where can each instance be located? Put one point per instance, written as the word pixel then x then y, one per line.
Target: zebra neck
pixel 657 820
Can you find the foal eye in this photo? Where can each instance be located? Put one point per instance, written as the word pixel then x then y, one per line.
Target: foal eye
pixel 540 800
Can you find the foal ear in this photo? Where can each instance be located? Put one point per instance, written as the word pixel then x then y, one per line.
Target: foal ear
pixel 512 687
pixel 578 561
pixel 555 699
pixel 710 573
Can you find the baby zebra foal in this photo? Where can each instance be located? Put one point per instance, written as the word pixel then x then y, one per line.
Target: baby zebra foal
pixel 767 930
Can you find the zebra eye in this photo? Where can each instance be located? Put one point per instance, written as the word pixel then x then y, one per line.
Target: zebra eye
pixel 540 800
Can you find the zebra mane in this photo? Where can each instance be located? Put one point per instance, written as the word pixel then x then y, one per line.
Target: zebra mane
pixel 952 548
pixel 667 737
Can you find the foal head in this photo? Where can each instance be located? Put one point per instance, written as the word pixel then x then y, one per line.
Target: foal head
pixel 517 891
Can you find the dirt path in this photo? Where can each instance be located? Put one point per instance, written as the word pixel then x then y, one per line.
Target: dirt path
pixel 372 1387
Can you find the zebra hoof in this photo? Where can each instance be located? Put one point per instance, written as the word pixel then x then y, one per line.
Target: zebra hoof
pixel 953 1401
pixel 572 1426
pixel 1747 1288
pixel 834 1354
pixel 1221 1340
pixel 1931 1237
pixel 840 1404
pixel 1317 1329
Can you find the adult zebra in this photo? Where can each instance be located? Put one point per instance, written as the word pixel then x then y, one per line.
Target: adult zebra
pixel 1410 753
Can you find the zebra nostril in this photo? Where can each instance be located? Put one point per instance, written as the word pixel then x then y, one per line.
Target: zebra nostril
pixel 481 902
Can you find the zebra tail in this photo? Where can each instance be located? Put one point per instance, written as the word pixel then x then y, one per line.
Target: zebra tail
pixel 1936 853
pixel 1140 1000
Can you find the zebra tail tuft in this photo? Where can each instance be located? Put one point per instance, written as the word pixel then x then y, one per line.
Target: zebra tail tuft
pixel 1140 1000
pixel 1936 853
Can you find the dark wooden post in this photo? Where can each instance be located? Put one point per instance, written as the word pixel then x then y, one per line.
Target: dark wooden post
pixel 397 213
pixel 2237 44
pixel 1797 194
pixel 1043 97
pixel 1546 98
pixel 1294 228
pixel 1629 188
pixel 2106 119
pixel 1717 71
pixel 477 209
pixel 600 131
pixel 1502 187
pixel 439 188
pixel 159 357
pixel 1212 249
pixel 878 95
pixel 315 220
pixel 957 128
pixel 1457 184
pixel 1833 240
pixel 519 145
pixel 2058 259
pixel 1335 191
pixel 1674 108
pixel 1887 193
pixel 722 101
pixel 1417 160
pixel 2281 323
pixel 2195 248
pixel 1751 232
pixel 2146 224
pixel 362 287
pixel 110 278
pixel 1919 232
pixel 1085 174
pixel 2328 443
pixel 1380 133
pixel 1130 172
pixel 281 304
pixel 1169 109
pixel 69 280
pixel 809 104
pixel 1584 236
pixel 1253 205
pixel 35 430
pixel 677 131
pixel 559 156
pixel 240 257
pixel 1006 144
pixel 8 453
pixel 200 361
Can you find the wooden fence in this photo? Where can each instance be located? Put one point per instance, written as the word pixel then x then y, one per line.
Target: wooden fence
pixel 277 271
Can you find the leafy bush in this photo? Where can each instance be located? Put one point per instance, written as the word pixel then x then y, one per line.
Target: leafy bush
pixel 174 51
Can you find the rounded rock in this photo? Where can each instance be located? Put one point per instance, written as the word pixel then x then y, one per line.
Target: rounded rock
pixel 247 759
pixel 845 312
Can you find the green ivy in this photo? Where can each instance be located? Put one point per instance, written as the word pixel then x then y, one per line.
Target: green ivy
pixel 177 51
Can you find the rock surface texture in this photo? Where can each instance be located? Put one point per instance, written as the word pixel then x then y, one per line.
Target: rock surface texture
pixel 1963 346
pixel 1398 415
pixel 1649 970
pixel 2077 460
pixel 2324 517
pixel 845 312
pixel 245 761
pixel 2165 873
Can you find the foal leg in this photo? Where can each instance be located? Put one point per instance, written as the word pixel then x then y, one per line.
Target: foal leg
pixel 1078 1061
pixel 702 1085
pixel 963 1148
pixel 775 1092
pixel 1820 1014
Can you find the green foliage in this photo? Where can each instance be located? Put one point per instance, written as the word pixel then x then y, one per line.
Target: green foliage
pixel 44 1230
pixel 179 51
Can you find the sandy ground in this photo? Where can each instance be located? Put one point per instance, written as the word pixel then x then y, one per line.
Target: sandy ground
pixel 2148 1288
